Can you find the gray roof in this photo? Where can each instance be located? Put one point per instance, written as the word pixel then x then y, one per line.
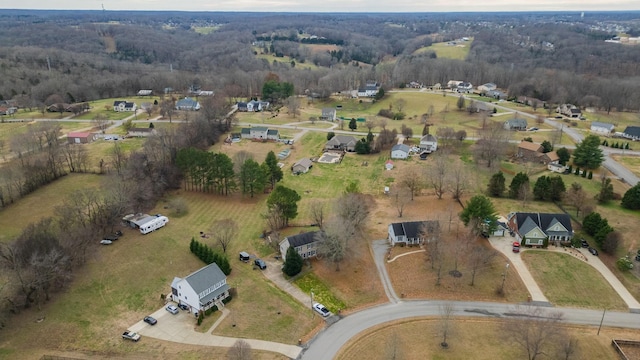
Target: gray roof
pixel 413 229
pixel 342 140
pixel 527 221
pixel 302 239
pixel 328 111
pixel 259 128
pixel 306 162
pixel 603 125
pixel 428 137
pixel 516 122
pixel 186 102
pixel 401 147
pixel 245 131
pixel 204 278
pixel 272 132
pixel 633 131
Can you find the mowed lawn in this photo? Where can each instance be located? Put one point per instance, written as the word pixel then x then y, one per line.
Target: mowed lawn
pixel 123 282
pixel 468 339
pixel 567 281
pixel 42 203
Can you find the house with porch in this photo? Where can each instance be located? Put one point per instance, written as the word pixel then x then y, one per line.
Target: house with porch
pixel 260 133
pixel 632 132
pixel 515 124
pixel 428 143
pixel 188 104
pixel 531 229
pixel 201 289
pixel 305 244
pixel 411 232
pixel 123 105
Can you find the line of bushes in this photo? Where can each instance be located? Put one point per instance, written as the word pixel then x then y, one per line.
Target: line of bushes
pixel 209 256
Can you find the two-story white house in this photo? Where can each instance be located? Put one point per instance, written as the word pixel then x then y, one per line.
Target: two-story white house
pixel 428 143
pixel 201 289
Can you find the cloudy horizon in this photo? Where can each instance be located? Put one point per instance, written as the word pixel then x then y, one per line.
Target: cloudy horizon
pixel 334 6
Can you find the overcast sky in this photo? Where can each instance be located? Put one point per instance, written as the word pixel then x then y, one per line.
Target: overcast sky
pixel 328 5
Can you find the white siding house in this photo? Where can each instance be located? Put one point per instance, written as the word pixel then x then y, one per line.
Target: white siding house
pixel 201 289
pixel 400 151
pixel 602 128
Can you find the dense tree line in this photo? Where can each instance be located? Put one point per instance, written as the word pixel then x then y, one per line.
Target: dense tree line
pixel 81 56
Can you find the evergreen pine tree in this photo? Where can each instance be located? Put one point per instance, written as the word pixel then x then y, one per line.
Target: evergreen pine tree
pixel 293 262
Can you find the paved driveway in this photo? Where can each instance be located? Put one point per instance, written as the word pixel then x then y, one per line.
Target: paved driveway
pixel 503 244
pixel 180 328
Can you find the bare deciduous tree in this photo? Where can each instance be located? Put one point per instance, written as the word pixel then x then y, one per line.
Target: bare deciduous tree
pixel 354 209
pixel 533 329
pixel 479 256
pixel 492 144
pixel 317 210
pixel 101 122
pixel 401 197
pixel 223 232
pixel 446 323
pixel 457 180
pixel 411 179
pixel 293 106
pixel 568 347
pixel 370 124
pixel 241 350
pixel 333 241
pixel 437 174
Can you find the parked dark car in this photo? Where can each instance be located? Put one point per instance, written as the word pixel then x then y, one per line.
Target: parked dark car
pixel 593 251
pixel 260 263
pixel 150 320
pixel 584 242
pixel 183 306
pixel 244 256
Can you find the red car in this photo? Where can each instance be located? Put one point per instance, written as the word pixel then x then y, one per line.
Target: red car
pixel 516 247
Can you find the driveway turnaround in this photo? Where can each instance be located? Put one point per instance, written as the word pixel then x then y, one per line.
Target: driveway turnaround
pixel 180 328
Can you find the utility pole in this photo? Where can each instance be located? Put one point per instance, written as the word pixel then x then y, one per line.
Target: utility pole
pixel 504 278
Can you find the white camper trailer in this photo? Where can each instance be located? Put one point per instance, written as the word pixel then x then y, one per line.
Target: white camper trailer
pixel 154 224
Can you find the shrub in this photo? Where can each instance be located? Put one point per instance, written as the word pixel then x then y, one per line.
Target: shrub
pixel 624 264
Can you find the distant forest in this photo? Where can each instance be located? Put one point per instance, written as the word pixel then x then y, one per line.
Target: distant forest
pixel 86 55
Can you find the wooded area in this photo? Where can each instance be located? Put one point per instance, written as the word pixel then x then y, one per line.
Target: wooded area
pixel 85 55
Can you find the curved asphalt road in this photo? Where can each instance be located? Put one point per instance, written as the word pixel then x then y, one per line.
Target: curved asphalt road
pixel 327 344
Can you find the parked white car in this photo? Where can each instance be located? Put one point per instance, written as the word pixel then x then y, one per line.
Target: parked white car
pixel 321 309
pixel 172 309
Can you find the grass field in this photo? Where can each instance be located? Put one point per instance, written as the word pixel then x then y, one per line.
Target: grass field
pixel 445 50
pixel 468 339
pixel 567 281
pixel 9 130
pixel 124 282
pixel 630 162
pixel 105 297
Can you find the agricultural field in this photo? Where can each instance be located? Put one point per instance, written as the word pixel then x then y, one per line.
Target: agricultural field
pixel 567 281
pixel 447 50
pixel 468 339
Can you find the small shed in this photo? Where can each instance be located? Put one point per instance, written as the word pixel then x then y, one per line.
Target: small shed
pixel 388 165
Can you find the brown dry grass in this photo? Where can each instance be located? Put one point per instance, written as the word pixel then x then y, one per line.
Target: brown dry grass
pixel 470 339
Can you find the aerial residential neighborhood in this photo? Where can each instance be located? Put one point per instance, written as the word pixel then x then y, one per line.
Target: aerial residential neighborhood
pixel 227 183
